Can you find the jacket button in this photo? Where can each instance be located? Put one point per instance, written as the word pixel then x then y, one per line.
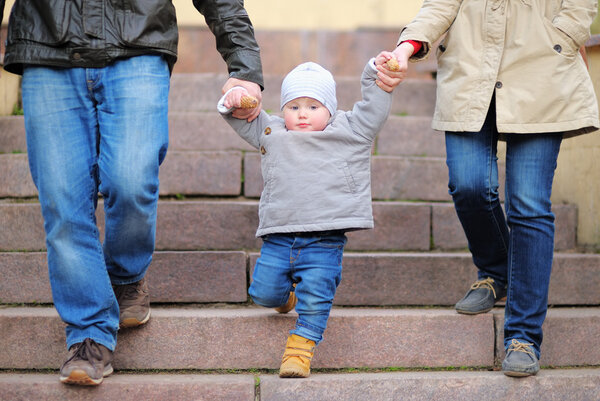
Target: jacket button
pixel 558 48
pixel 263 150
pixel 267 130
pixel 76 56
pixel 498 85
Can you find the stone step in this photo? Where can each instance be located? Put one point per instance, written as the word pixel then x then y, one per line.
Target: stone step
pixel 392 178
pixel 555 385
pixel 206 130
pixel 343 52
pixel 377 279
pixel 201 92
pixel 549 384
pixel 231 225
pixel 218 338
pixel 219 173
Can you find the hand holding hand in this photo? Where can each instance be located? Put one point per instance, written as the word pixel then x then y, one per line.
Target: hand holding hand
pixel 234 98
pixel 391 70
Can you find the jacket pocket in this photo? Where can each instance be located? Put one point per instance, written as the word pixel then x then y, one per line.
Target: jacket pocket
pixel 343 166
pixel 44 22
pixel 560 41
pixel 146 23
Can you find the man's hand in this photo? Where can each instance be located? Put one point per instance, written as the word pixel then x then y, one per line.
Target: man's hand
pixel 252 89
pixel 391 69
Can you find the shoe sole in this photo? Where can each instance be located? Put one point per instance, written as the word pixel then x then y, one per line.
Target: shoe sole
pixel 286 308
pixel 471 312
pixel 79 377
pixel 134 322
pixel 512 373
pixel 468 312
pixel 293 374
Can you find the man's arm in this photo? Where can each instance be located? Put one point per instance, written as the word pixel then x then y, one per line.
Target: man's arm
pixel 234 34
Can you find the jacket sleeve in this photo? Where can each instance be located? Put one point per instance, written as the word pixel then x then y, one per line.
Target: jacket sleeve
pixel 369 114
pixel 249 131
pixel 433 20
pixel 575 18
pixel 2 2
pixel 229 22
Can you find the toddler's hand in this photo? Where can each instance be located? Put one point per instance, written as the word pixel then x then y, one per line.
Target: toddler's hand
pixel 245 99
pixel 391 71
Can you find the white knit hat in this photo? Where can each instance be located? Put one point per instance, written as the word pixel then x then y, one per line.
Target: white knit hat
pixel 310 80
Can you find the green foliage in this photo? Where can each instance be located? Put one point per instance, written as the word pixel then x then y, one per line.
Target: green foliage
pixel 17 110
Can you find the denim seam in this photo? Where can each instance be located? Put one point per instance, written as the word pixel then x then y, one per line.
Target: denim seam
pixel 489 186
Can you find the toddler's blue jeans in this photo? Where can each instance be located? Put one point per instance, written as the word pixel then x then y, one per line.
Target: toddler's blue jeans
pixel 314 263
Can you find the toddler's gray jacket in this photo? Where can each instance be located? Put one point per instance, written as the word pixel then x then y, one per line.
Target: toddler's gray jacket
pixel 321 180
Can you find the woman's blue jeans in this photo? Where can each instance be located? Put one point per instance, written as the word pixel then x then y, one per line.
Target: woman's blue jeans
pixel 314 263
pixel 93 130
pixel 515 250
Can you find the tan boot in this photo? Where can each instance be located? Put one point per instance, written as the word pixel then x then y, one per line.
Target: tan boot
pixel 290 304
pixel 296 357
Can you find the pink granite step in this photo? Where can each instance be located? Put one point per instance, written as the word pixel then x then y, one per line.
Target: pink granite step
pixel 131 387
pixel 378 279
pixel 202 276
pixel 217 338
pixel 549 384
pixel 392 178
pixel 252 337
pixel 209 173
pixel 206 130
pixel 231 225
pixel 201 92
pixel 226 224
pixel 555 385
pixel 12 134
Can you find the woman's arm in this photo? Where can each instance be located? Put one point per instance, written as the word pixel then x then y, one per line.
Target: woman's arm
pixel 575 18
pixel 433 19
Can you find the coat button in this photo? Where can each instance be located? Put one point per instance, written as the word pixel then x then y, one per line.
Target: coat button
pixel 263 150
pixel 267 130
pixel 498 85
pixel 76 56
pixel 442 48
pixel 558 48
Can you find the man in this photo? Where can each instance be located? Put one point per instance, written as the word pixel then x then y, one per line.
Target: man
pixel 95 96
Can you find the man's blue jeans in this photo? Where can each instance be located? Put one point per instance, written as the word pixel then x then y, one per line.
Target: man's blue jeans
pixel 515 250
pixel 314 263
pixel 93 130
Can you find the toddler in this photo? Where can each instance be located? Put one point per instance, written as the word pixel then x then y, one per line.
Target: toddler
pixel 316 170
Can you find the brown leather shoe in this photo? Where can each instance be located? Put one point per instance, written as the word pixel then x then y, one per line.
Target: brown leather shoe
pixel 88 364
pixel 134 303
pixel 290 304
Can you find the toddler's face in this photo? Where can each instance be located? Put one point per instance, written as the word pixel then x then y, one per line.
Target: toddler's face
pixel 305 114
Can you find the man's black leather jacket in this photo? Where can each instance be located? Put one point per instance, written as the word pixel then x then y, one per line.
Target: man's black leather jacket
pixel 93 33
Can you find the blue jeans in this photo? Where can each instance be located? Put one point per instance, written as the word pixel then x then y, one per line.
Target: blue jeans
pixel 515 250
pixel 93 130
pixel 314 263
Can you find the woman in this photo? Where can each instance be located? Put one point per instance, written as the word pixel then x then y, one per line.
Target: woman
pixel 510 70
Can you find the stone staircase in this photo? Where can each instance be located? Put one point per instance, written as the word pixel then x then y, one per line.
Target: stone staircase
pixel 393 333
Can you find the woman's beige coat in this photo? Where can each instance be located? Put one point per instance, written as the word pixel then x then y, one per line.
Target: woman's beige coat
pixel 526 51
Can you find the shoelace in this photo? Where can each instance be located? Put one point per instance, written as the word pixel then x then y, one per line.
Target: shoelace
pixel 488 282
pixel 126 291
pixel 88 348
pixel 518 346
